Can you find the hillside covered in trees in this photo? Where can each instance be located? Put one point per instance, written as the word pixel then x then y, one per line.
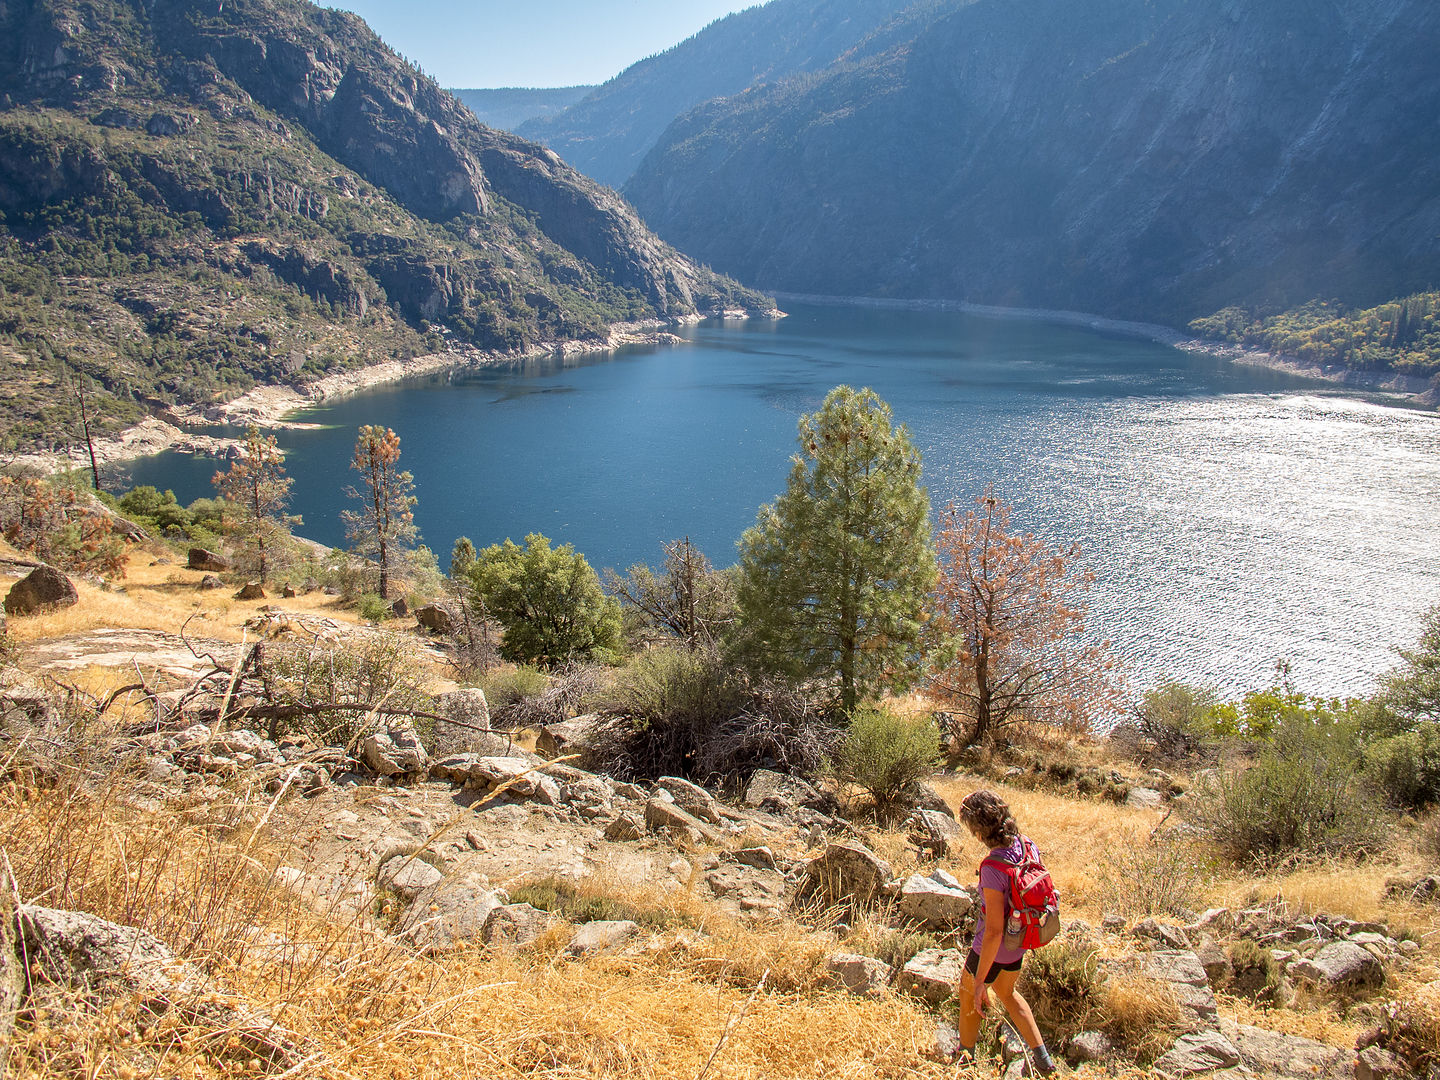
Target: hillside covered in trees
pixel 196 197
pixel 1143 159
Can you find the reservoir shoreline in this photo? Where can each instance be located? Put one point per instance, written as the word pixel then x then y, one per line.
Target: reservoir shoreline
pixel 1406 390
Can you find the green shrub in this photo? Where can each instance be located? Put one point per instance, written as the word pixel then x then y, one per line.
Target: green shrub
pixel 513 685
pixel 373 608
pixel 159 510
pixel 884 753
pixel 1406 768
pixel 547 600
pixel 1173 722
pixel 1062 984
pixel 1301 796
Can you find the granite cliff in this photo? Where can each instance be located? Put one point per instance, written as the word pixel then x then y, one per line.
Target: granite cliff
pixel 198 196
pixel 1153 159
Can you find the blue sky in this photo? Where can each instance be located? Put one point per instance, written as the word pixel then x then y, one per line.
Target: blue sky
pixel 533 42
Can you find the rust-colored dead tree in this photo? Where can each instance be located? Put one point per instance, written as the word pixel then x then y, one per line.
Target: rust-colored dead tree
pixel 1009 627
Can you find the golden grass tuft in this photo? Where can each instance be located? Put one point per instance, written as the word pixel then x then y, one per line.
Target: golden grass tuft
pixel 1141 1014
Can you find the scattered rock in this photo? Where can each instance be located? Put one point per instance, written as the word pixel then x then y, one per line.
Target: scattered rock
pixel 602 937
pixel 251 590
pixel 1377 1064
pixel 761 857
pixel 436 618
pixel 734 882
pixel 40 590
pixel 1088 1046
pixel 515 925
pixel 767 784
pixel 845 873
pixel 1341 964
pixel 932 975
pixel 936 902
pixel 1143 798
pixel 1216 962
pixel 935 833
pixel 1287 1057
pixel 1198 1052
pixel 862 975
pixel 12 971
pixel 400 608
pixel 625 827
pixel 394 750
pixel 447 913
pixel 1416 890
pixel 1172 937
pixel 568 737
pixel 691 798
pixel 660 814
pixel 947 1042
pixel 200 559
pixel 211 581
pixel 921 796
pixel 408 876
pixel 106 960
pixel 288 592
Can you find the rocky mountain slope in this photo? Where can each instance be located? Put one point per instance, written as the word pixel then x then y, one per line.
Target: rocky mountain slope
pixel 608 133
pixel 1153 159
pixel 197 196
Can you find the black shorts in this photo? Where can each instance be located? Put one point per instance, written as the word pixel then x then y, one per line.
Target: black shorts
pixel 972 965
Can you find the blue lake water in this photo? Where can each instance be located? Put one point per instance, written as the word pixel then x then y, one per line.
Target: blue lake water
pixel 1233 516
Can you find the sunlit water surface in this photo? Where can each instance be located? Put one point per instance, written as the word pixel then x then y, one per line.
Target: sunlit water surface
pixel 1233 517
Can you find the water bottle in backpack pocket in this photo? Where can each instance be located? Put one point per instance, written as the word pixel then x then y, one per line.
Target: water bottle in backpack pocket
pixel 1033 907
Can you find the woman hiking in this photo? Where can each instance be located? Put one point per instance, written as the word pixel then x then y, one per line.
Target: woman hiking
pixel 990 965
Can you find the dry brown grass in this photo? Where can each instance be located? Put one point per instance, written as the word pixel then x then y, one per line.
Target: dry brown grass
pixel 369 1007
pixel 1141 1013
pixel 162 598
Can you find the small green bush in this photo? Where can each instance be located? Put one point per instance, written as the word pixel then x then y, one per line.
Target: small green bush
pixel 1302 796
pixel 1406 768
pixel 513 685
pixel 373 608
pixel 884 753
pixel 1062 984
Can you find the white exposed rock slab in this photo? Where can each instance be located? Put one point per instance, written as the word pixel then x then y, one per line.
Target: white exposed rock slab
pixel 1198 1052
pixel 864 975
pixel 602 937
pixel 625 827
pixel 937 904
pixel 1144 798
pixel 1088 1046
pixel 932 975
pixel 1341 963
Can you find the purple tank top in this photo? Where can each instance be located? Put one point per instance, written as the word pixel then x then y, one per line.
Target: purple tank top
pixel 992 877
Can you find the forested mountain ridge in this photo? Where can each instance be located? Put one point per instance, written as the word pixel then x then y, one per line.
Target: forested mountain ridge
pixel 608 133
pixel 196 196
pixel 1150 159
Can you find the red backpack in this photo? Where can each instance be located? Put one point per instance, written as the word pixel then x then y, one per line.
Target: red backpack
pixel 1032 917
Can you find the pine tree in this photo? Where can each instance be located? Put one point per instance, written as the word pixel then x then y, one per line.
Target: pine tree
pixel 256 492
pixel 836 572
pixel 386 518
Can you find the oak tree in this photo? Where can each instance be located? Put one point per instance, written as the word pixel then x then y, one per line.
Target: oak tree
pixel 386 518
pixel 256 492
pixel 836 573
pixel 1009 626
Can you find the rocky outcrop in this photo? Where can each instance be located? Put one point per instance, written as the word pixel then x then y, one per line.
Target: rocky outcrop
pixel 845 873
pixel 43 589
pixel 202 559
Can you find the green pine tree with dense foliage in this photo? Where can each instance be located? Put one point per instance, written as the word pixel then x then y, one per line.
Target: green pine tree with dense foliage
pixel 548 601
pixel 836 572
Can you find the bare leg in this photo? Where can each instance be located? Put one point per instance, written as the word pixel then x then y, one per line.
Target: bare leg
pixel 1016 1006
pixel 969 1023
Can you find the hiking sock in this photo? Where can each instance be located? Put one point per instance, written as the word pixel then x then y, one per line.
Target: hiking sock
pixel 1044 1063
pixel 965 1055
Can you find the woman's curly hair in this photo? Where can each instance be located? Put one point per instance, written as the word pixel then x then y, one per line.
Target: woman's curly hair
pixel 989 815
